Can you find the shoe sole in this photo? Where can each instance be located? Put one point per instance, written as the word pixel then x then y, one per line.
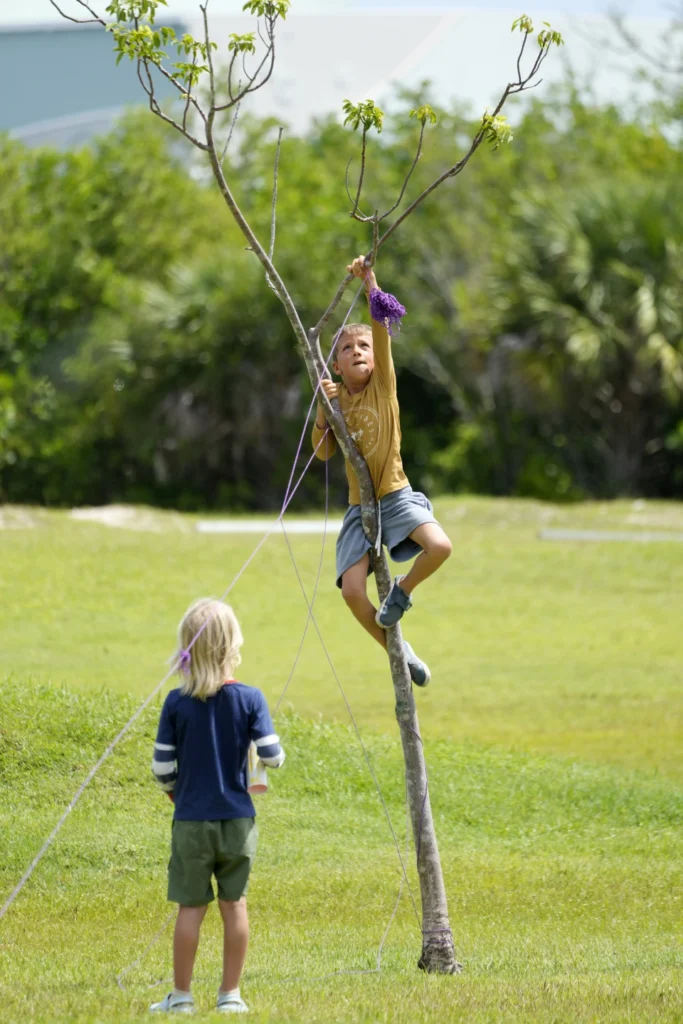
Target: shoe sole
pixel 427 681
pixel 383 625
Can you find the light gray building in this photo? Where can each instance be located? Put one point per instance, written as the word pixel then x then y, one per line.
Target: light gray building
pixel 59 83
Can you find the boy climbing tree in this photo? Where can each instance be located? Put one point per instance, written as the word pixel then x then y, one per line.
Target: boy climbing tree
pixel 369 403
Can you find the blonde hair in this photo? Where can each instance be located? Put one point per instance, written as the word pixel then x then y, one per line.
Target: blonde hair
pixel 215 653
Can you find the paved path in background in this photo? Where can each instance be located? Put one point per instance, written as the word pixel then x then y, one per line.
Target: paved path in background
pixel 263 525
pixel 641 536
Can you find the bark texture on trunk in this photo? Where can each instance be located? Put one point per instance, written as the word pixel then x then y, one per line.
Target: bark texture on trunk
pixel 438 949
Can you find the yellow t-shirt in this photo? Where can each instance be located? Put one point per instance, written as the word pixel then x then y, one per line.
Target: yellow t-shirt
pixel 373 420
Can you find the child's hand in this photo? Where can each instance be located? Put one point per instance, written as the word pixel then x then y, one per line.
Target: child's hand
pixel 330 388
pixel 358 269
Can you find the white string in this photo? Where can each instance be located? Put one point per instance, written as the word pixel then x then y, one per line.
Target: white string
pixel 404 878
pixel 128 726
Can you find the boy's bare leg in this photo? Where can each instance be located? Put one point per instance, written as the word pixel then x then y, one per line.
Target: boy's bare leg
pixel 355 593
pixel 436 549
pixel 235 941
pixel 185 943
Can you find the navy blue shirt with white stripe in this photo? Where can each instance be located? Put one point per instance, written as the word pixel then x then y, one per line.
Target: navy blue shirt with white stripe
pixel 201 751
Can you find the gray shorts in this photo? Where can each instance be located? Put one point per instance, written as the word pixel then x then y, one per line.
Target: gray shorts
pixel 402 512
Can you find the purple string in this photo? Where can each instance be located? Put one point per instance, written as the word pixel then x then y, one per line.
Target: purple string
pixel 315 394
pixel 354 723
pixel 317 581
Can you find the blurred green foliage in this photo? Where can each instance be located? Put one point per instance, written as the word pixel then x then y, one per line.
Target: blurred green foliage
pixel 144 358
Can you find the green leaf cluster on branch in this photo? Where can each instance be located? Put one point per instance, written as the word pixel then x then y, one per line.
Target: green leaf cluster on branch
pixel 424 114
pixel 367 114
pixel 268 8
pixel 497 130
pixel 494 129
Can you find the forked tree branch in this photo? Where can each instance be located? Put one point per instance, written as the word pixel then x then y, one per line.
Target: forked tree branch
pixel 269 55
pixel 512 89
pixel 375 238
pixel 232 128
pixel 94 20
pixel 148 87
pixel 360 216
pixel 410 173
pixel 361 177
pixel 183 91
pixel 209 57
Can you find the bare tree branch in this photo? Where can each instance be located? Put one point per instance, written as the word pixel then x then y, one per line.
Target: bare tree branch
pixel 244 70
pixel 325 318
pixel 81 21
pixel 521 54
pixel 375 238
pixel 360 216
pixel 364 149
pixel 452 172
pixel 189 96
pixel 230 70
pixel 273 219
pixel 512 88
pixel 180 88
pixel 410 174
pixel 232 128
pixel 269 55
pixel 156 109
pixel 209 56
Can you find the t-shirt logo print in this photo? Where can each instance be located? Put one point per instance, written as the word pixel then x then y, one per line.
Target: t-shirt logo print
pixel 363 424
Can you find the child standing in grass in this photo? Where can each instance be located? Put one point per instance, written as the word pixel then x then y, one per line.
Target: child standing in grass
pixel 369 403
pixel 200 760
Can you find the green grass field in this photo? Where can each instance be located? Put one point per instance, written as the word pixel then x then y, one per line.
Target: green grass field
pixel 553 731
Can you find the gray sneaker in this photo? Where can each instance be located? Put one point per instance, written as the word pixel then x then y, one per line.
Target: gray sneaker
pixel 393 606
pixel 419 672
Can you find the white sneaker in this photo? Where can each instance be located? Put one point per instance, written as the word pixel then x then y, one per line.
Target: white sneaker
pixel 174 1004
pixel 231 1004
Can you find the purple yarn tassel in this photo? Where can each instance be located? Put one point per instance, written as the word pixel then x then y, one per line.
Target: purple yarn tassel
pixel 387 310
pixel 184 661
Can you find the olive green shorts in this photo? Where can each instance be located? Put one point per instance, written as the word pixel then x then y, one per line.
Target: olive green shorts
pixel 200 849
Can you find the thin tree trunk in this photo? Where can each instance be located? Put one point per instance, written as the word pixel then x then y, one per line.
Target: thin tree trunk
pixel 438 951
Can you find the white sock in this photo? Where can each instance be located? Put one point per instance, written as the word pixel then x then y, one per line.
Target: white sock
pixel 234 992
pixel 179 992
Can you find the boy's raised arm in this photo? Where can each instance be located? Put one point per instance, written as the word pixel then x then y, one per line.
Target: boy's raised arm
pixel 381 339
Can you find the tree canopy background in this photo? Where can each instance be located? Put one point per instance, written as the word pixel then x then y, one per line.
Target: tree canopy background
pixel 143 358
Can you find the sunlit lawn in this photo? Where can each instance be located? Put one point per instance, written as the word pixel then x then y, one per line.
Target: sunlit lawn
pixel 553 732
